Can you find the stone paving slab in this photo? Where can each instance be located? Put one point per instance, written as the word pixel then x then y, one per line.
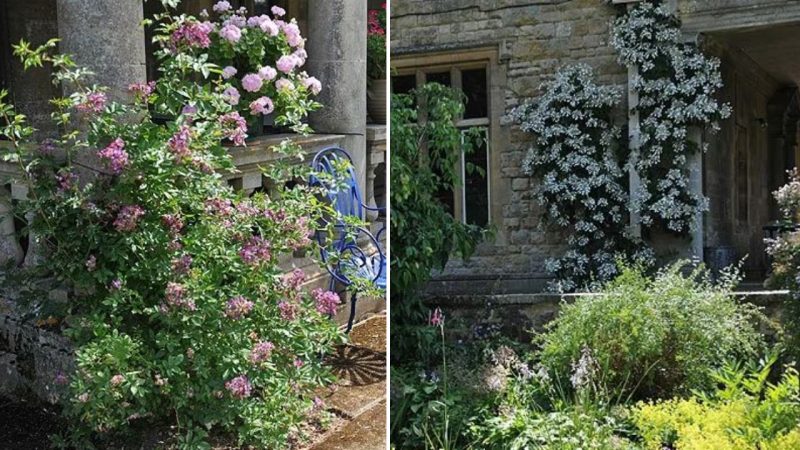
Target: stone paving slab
pixel 367 432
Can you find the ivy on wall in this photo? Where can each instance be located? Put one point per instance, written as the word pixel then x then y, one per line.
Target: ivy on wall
pixel 677 86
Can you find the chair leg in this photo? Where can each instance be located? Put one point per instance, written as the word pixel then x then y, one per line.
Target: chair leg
pixel 353 300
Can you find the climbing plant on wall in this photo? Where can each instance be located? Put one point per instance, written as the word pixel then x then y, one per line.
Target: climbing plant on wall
pixel 677 86
pixel 578 159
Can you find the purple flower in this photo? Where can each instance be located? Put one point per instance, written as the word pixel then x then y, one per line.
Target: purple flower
pixel 229 72
pixel 284 84
pixel 252 82
pixel 239 387
pixel 267 73
pixel 189 110
pixel 288 310
pixel 192 34
pixel 219 206
pixel 261 352
pixel 301 55
pixel 179 142
pixel 262 105
pixel 65 180
pixel 173 223
pixel 175 295
pixel 238 307
pixel 277 11
pixel 47 147
pixel 298 363
pixel 234 127
pixel 313 85
pixel 294 279
pixel 286 63
pixel 237 20
pixel 116 284
pixel 94 102
pixel 292 32
pixel 436 318
pixel 182 265
pixel 231 33
pixel 91 263
pixel 61 379
pixel 222 6
pixel 142 90
pixel 231 95
pixel 326 301
pixel 128 217
pixel 255 250
pixel 115 155
pixel 269 27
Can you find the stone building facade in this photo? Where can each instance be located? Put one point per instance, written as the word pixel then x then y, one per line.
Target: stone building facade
pixel 500 52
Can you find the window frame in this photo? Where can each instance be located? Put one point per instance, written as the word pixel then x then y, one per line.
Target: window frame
pixel 456 62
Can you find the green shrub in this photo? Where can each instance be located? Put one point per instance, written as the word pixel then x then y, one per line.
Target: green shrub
pixel 745 413
pixel 643 337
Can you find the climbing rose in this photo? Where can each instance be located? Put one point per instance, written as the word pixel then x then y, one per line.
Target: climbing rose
pixel 95 102
pixel 239 387
pixel 277 11
pixel 252 82
pixel 294 279
pixel 231 33
pixel 117 379
pixel 267 73
pixel 175 295
pixel 261 352
pixel 142 90
pixel 286 63
pixel 116 284
pixel 219 206
pixel 238 307
pixel 116 156
pixel 181 266
pixel 270 27
pixel 231 95
pixel 262 105
pixel 436 318
pixel 228 72
pixel 284 85
pixel 173 223
pixel 326 301
pixel 313 85
pixel 128 218
pixel 91 263
pixel 193 34
pixel 235 127
pixel 222 6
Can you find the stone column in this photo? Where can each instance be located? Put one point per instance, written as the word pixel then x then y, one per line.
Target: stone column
pixel 337 55
pixel 695 164
pixel 634 141
pixel 10 249
pixel 107 37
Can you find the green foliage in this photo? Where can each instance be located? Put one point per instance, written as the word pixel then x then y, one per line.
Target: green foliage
pixel 425 149
pixel 746 412
pixel 641 337
pixel 155 249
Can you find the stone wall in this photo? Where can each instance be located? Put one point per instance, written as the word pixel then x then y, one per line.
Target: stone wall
pixel 532 39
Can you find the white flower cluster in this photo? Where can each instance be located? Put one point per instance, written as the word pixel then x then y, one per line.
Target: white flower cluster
pixel 575 158
pixel 676 86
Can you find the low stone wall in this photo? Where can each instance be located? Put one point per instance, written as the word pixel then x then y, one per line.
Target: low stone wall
pixel 515 315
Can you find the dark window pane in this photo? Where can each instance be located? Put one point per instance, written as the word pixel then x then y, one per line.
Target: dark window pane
pixel 5 48
pixel 403 84
pixel 476 186
pixel 438 77
pixel 473 84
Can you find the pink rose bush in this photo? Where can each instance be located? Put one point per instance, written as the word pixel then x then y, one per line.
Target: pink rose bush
pixel 181 306
pixel 232 41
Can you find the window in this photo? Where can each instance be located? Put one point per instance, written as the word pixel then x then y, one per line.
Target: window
pixel 471 201
pixel 5 48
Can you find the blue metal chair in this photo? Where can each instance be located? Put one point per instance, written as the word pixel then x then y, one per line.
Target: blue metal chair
pixel 341 253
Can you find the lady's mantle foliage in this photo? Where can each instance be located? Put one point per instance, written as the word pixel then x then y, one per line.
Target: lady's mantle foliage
pixel 179 309
pixel 676 86
pixel 577 160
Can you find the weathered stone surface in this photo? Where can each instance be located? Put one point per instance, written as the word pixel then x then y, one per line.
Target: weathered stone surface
pixel 337 56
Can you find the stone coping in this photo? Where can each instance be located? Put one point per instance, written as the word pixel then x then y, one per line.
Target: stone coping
pixel 757 297
pixel 259 150
pixel 376 132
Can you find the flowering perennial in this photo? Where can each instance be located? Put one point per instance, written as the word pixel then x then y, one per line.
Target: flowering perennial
pixel 677 85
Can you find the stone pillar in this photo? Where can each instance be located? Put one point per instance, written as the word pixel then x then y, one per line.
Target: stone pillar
pixel 10 249
pixel 695 165
pixel 634 141
pixel 105 36
pixel 337 55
